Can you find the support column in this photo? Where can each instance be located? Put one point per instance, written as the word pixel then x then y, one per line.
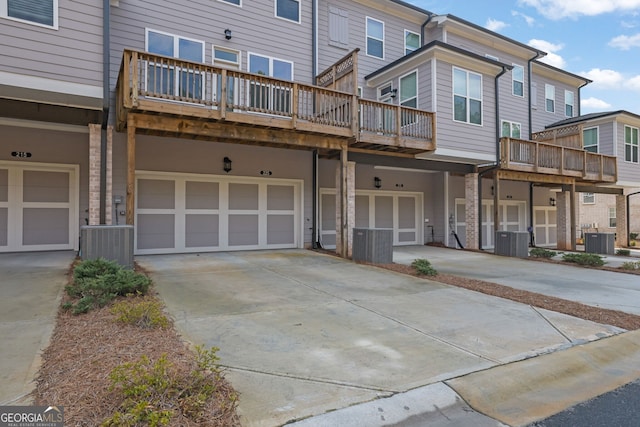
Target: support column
pixel 131 171
pixel 94 174
pixel 622 234
pixel 472 212
pixel 345 205
pixel 572 215
pixel 563 225
pixel 109 204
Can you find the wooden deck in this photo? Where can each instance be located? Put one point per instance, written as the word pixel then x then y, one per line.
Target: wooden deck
pixel 554 159
pixel 164 95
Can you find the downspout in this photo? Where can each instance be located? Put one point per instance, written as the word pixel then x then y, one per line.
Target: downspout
pixel 314 179
pixel 580 97
pixel 628 217
pixel 106 66
pixel 530 65
pixel 497 165
pixel 424 25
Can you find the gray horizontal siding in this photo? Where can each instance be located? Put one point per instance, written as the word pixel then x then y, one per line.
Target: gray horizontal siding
pixel 462 136
pixel 627 171
pixel 72 53
pixel 542 118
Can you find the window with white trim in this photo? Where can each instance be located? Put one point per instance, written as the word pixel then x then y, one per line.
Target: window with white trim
pixel 467 96
pixel 235 2
pixel 288 9
pixel 550 98
pixel 590 140
pixel 39 12
pixel 511 129
pixel 266 96
pixel 588 198
pixel 228 58
pixel 630 144
pixel 375 38
pixel 169 80
pixel 569 102
pixel 338 27
pixel 517 76
pixel 612 217
pixel 409 97
pixel 411 41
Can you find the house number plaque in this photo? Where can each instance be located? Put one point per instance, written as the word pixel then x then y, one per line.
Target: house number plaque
pixel 21 154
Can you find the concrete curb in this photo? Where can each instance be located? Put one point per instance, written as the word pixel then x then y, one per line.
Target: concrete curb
pixel 523 392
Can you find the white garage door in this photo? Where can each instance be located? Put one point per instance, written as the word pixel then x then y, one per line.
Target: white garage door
pixel 545 226
pixel 400 211
pixel 200 213
pixel 38 207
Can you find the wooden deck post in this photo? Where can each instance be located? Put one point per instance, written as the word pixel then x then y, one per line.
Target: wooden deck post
pixel 572 210
pixel 496 205
pixel 131 171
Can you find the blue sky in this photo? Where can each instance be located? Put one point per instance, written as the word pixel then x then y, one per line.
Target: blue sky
pixel 597 39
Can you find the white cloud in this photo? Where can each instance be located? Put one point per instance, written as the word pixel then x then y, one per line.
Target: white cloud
pixel 529 20
pixel 552 57
pixel 634 83
pixel 625 42
pixel 604 79
pixel 558 9
pixel 594 104
pixel 495 25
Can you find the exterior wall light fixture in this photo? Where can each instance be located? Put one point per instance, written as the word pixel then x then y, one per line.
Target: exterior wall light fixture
pixel 226 164
pixel 552 201
pixel 377 182
pixel 227 34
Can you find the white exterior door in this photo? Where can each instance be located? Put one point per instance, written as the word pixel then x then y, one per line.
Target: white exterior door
pixel 38 207
pixel 177 213
pixel 400 211
pixel 545 226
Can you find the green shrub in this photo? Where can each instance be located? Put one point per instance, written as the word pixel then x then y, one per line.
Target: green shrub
pixel 97 282
pixel 542 253
pixel 423 267
pixel 594 260
pixel 154 392
pixel 146 314
pixel 631 265
pixel 623 252
pixel 633 236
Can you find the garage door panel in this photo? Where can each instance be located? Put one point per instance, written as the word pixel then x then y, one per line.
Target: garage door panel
pixel 243 196
pixel 202 195
pixel 45 226
pixel 4 185
pixel 280 197
pixel 243 230
pixel 202 230
pixel 156 231
pixel 407 212
pixel 44 186
pixel 362 211
pixel 156 194
pixel 4 226
pixel 384 212
pixel 280 229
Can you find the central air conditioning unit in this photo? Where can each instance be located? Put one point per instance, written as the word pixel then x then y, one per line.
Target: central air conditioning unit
pixel 374 245
pixel 111 242
pixel 600 243
pixel 512 243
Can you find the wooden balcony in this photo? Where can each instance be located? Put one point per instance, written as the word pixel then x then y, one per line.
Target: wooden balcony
pixel 171 96
pixel 552 159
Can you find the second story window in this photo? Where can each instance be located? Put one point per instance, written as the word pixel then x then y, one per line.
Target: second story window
pixel 511 129
pixel 590 140
pixel 41 12
pixel 630 144
pixel 588 198
pixel 265 96
pixel 411 41
pixel 467 96
pixel 288 9
pixel 517 75
pixel 236 2
pixel 375 38
pixel 550 98
pixel 568 103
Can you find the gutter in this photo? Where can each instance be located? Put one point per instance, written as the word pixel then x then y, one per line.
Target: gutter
pixel 529 73
pixel 106 83
pixel 580 96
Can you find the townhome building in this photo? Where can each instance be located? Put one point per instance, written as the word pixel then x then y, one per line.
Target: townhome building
pixel 238 125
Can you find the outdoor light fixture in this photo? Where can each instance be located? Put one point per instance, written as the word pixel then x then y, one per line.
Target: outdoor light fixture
pixel 227 164
pixel 227 34
pixel 552 201
pixel 377 182
pixel 394 93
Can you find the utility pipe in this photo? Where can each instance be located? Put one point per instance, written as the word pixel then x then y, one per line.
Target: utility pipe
pixel 106 92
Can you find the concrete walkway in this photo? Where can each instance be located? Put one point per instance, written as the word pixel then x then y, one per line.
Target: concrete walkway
pixel 303 334
pixel 599 288
pixel 31 286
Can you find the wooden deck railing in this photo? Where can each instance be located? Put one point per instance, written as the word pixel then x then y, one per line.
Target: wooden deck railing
pixel 159 84
pixel 567 136
pixel 539 157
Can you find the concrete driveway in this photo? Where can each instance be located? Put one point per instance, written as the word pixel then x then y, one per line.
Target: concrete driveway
pixel 31 285
pixel 303 333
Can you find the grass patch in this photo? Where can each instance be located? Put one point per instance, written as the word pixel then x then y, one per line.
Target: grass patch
pixel 593 260
pixel 631 265
pixel 423 267
pixel 623 252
